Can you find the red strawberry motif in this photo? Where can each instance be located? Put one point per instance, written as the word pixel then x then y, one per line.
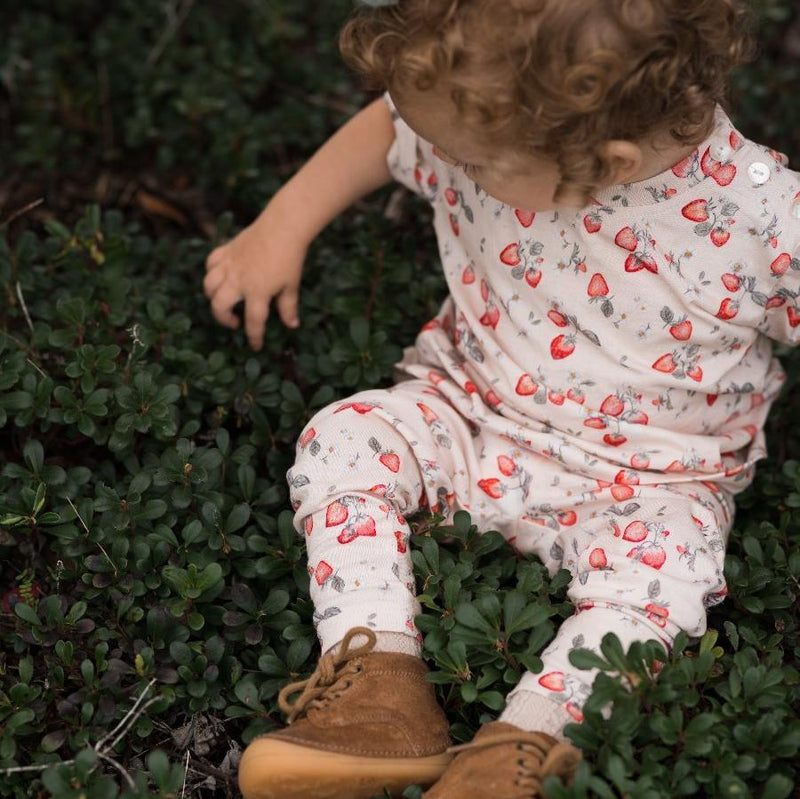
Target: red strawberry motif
pixel 454 224
pixel 335 514
pixel 562 346
pixel 557 318
pixel 306 437
pixel 728 308
pixel 626 239
pixel 725 174
pixel 402 547
pixel 624 477
pixel 492 486
pixel 470 387
pixel 592 223
pixel 553 681
pixel 684 167
pixel 492 399
pixel 484 290
pixel 622 492
pixel 491 317
pixel 322 572
pixel 711 399
pixel 567 518
pixel 576 396
pixel 506 465
pixel 635 531
pixel 596 422
pixel 695 373
pixel 654 556
pixel 525 217
pixel 614 439
pixel 666 363
pixel 533 277
pixel 360 528
pixel 468 276
pixel 775 301
pixel 427 414
pixel 732 282
pixel 308 524
pixel 696 211
pixel 510 255
pixel 636 262
pixel 781 264
pixel 556 397
pixel 598 559
pixel 681 331
pixel 794 316
pixel 597 286
pixel 526 385
pixel 612 406
pixel 451 196
pixel 720 236
pixel 433 181
pixel 638 417
pixel 676 466
pixel 657 613
pixel 640 461
pixel 391 461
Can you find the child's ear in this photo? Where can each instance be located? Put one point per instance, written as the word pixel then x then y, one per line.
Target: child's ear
pixel 624 160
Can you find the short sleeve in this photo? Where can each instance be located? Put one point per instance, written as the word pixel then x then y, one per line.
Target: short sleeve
pixel 782 299
pixel 410 158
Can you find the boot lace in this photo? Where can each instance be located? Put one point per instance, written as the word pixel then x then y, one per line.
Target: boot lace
pixel 538 757
pixel 330 679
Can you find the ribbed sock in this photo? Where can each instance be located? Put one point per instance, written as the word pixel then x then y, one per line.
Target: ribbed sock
pixel 536 713
pixel 387 642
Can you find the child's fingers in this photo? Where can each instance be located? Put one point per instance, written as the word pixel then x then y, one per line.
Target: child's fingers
pixel 214 257
pixel 213 280
pixel 287 306
pixel 256 311
pixel 222 305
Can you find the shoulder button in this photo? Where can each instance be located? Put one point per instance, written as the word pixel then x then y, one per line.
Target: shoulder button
pixel 759 172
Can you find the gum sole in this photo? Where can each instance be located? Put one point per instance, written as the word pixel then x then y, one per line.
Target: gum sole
pixel 275 769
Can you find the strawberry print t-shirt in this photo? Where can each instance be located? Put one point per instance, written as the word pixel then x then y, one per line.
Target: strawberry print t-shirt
pixel 635 332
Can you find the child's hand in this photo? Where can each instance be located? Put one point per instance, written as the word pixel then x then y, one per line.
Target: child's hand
pixel 264 261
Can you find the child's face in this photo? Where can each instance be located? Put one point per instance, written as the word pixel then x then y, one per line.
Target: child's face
pixel 528 183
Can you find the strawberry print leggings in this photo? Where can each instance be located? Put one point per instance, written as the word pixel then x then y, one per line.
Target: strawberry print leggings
pixel 646 558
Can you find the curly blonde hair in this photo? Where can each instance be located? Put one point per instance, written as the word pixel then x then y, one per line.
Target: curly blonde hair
pixel 559 77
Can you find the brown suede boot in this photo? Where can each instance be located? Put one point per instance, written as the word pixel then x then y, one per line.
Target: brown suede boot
pixel 364 721
pixel 505 762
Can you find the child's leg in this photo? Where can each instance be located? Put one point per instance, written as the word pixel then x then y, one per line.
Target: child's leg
pixel 362 465
pixel 643 568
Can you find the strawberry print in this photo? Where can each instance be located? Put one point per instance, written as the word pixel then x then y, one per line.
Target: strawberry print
pixel 390 459
pixel 525 217
pixel 723 172
pixel 640 245
pixel 524 258
pixel 713 218
pixel 571 393
pixel 360 526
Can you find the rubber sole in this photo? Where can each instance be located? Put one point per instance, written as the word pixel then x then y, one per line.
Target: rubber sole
pixel 275 769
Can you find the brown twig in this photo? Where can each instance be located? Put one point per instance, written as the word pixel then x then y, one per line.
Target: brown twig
pixel 20 211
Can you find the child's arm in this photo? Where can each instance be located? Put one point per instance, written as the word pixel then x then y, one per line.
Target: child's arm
pixel 265 260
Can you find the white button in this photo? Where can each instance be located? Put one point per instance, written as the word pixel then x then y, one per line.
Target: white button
pixel 721 152
pixel 759 172
pixel 796 208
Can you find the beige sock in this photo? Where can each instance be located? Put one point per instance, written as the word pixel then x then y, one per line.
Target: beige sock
pixel 386 642
pixel 536 713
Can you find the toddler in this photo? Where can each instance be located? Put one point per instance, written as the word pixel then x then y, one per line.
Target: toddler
pixel 595 385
